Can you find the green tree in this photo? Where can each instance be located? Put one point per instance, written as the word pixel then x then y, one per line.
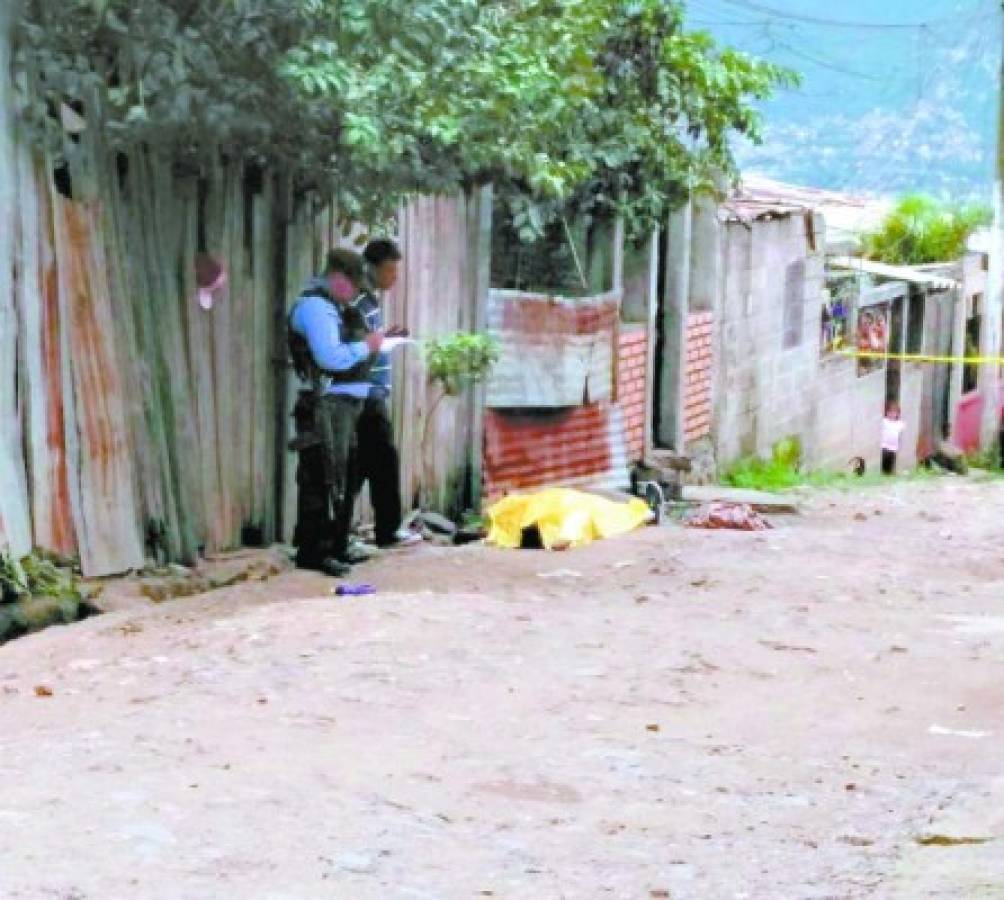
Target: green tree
pixel 605 106
pixel 921 229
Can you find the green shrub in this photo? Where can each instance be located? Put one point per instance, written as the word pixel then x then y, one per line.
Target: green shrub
pixel 460 359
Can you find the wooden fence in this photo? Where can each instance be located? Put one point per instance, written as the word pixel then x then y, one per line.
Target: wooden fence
pixel 127 410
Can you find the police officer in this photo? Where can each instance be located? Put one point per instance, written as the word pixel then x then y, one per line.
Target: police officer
pixel 334 352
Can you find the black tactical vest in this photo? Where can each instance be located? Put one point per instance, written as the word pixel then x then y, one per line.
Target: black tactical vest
pixel 352 329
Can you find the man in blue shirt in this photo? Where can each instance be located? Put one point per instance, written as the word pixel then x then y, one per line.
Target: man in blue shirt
pixel 377 458
pixel 333 351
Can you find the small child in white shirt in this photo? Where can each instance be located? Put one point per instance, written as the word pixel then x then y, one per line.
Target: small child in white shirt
pixel 892 431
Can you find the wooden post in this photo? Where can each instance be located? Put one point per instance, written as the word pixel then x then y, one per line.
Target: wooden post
pixel 480 243
pixel 281 213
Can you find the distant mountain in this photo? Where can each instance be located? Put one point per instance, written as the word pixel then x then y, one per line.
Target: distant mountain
pixel 898 95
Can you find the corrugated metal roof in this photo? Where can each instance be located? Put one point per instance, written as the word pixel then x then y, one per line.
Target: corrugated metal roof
pixel 759 198
pixel 908 274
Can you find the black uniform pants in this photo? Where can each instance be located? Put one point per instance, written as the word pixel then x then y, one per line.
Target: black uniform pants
pixel 376 461
pixel 325 498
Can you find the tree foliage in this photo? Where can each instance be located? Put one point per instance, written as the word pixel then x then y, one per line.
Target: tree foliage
pixel 605 105
pixel 921 229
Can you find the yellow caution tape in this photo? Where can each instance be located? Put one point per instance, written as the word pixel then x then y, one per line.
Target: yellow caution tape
pixel 924 357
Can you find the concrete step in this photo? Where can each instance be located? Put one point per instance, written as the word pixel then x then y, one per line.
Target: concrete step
pixel 761 501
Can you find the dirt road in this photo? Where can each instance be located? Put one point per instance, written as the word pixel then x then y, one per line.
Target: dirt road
pixel 811 712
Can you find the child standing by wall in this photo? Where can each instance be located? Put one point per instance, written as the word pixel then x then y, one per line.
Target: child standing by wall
pixel 892 431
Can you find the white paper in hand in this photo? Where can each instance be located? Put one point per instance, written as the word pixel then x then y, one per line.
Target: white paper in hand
pixel 391 344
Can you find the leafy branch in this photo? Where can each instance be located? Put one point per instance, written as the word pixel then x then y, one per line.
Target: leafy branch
pixel 453 363
pixel 605 105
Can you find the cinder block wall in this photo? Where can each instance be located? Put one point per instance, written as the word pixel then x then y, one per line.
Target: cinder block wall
pixel 765 388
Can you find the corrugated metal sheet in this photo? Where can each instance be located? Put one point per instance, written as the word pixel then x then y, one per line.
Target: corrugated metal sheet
pixel 755 197
pixel 909 274
pixel 556 351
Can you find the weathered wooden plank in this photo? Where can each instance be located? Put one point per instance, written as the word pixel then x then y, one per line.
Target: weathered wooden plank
pixel 435 297
pixel 480 251
pixel 278 374
pixel 162 247
pixel 15 528
pixel 200 352
pixel 240 354
pixel 223 371
pixel 304 257
pixel 138 330
pixel 200 455
pixel 40 363
pixel 263 418
pixel 101 475
pixel 205 349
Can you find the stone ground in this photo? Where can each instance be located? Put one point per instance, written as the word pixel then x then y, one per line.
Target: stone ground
pixel 810 712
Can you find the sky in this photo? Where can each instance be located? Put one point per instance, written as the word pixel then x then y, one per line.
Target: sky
pixel 897 96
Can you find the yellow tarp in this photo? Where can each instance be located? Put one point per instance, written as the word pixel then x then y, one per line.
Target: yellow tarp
pixel 565 518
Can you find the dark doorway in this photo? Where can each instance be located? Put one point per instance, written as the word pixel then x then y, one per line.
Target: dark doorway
pixel 894 367
pixel 971 371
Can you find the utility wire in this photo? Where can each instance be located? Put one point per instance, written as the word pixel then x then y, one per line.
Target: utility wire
pixel 753 6
pixel 826 64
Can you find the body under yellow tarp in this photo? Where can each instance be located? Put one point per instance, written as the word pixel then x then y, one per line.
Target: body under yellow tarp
pixel 564 517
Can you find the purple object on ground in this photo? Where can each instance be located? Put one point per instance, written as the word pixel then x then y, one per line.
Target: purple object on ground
pixel 354 590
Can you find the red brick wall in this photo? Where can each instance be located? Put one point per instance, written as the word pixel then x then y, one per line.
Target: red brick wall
pixel 529 448
pixel 535 447
pixel 632 361
pixel 697 389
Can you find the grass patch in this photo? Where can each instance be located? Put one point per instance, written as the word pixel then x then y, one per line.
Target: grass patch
pixel 987 462
pixel 756 474
pixel 36 593
pixel 783 472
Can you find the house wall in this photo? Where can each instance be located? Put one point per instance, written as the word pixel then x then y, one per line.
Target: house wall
pixel 972 412
pixel 765 391
pixel 848 419
pixel 983 274
pixel 911 400
pixel 850 407
pixel 763 388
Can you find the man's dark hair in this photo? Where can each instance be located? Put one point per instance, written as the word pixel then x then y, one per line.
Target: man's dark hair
pixel 380 251
pixel 347 263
